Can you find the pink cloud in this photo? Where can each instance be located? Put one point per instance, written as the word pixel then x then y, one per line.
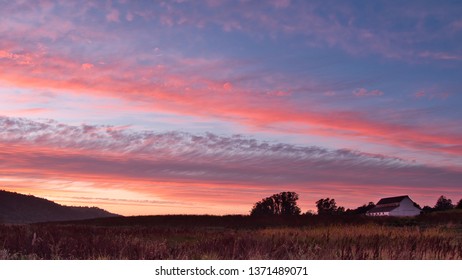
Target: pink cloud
pixel 5 54
pixel 364 92
pixel 337 29
pixel 87 66
pixel 90 151
pixel 231 25
pixel 227 86
pixel 49 150
pixel 113 16
pixel 279 93
pixel 129 16
pixel 18 58
pixel 419 94
pixel 189 92
pixel 440 55
pixel 281 3
pixel 432 94
pixel 26 111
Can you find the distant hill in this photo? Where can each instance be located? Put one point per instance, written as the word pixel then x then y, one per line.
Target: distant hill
pixel 17 208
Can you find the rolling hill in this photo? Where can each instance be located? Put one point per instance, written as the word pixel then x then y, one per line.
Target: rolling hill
pixel 17 208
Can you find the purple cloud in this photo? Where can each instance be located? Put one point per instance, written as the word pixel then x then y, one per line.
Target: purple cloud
pixel 364 92
pixel 55 149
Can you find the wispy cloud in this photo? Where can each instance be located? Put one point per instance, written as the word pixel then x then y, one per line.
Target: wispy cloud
pixel 364 92
pixel 431 94
pixel 113 15
pixel 354 29
pixel 95 62
pixel 196 91
pixel 87 66
pixel 57 150
pixel 441 55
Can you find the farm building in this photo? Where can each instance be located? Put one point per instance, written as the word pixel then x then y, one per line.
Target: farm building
pixel 395 206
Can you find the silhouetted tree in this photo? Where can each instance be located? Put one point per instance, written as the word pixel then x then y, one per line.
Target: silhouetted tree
pixel 327 206
pixel 308 213
pixel 427 209
pixel 443 203
pixel 340 210
pixel 361 209
pixel 284 204
pixel 459 204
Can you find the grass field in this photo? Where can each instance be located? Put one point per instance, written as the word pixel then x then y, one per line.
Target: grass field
pixel 434 236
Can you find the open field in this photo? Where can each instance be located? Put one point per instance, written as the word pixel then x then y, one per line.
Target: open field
pixel 433 236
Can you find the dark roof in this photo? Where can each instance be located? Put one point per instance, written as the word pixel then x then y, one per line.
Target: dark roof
pixel 395 199
pixel 382 209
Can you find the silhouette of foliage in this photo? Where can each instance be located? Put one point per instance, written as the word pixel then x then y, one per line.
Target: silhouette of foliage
pixel 361 209
pixel 443 203
pixel 283 204
pixel 459 204
pixel 427 209
pixel 327 206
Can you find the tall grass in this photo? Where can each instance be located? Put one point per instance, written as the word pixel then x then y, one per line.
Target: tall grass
pixel 334 241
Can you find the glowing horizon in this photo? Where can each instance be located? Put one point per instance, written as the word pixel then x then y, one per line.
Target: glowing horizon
pixel 205 108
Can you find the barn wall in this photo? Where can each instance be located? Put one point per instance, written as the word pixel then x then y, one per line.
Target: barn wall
pixel 406 208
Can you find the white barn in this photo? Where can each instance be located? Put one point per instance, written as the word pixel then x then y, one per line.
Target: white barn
pixel 395 206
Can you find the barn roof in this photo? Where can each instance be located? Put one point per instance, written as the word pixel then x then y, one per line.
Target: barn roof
pixel 382 209
pixel 395 199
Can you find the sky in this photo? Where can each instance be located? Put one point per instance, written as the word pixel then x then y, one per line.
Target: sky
pixel 206 107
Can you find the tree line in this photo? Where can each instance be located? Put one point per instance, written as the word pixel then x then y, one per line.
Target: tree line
pixel 285 204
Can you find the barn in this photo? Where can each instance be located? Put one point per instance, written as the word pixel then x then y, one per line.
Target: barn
pixel 395 206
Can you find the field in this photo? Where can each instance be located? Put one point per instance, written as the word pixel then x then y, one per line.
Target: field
pixel 433 236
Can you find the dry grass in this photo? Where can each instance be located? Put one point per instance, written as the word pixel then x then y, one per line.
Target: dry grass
pixel 335 241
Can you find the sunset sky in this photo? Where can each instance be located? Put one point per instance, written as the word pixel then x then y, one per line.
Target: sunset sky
pixel 205 107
